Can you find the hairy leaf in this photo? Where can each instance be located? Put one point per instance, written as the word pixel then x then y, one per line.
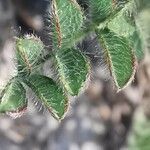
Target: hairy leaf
pixel 13 98
pixel 29 51
pixel 102 9
pixel 73 69
pixel 143 27
pixel 137 45
pixel 120 26
pixel 51 95
pixel 129 12
pixel 119 56
pixel 67 18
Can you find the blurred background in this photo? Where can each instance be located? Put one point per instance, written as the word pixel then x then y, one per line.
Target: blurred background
pixel 98 119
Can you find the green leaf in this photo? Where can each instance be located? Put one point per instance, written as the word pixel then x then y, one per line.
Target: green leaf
pixel 130 12
pixel 67 18
pixel 120 26
pixel 73 69
pixel 143 27
pixel 29 51
pixel 13 98
pixel 51 95
pixel 119 56
pixel 137 45
pixel 102 9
